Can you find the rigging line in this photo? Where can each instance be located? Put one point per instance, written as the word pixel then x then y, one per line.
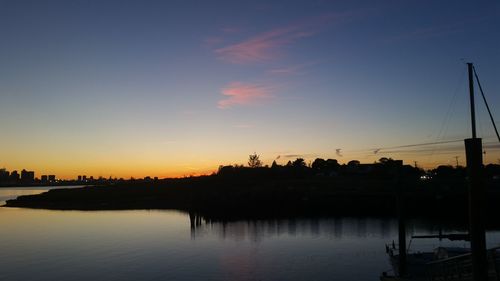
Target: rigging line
pixel 486 103
pixel 451 106
pixel 488 140
pixel 479 124
pixel 382 149
pixel 449 113
pixel 422 144
pixel 414 148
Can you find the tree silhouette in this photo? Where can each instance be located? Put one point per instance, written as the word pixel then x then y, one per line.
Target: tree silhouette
pixel 353 163
pixel 319 164
pixel 299 162
pixel 254 161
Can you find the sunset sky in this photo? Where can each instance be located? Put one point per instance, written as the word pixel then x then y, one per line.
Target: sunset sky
pixel 174 88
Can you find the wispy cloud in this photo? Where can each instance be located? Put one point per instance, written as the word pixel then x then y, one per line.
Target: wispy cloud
pixel 261 47
pixel 267 45
pixel 238 93
pixel 309 155
pixel 291 70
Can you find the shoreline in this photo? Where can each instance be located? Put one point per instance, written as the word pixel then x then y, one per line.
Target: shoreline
pixel 218 197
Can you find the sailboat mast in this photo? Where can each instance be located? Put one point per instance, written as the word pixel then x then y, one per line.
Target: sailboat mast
pixel 474 157
pixel 471 94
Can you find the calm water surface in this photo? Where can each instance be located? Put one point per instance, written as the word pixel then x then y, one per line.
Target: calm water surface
pixel 162 245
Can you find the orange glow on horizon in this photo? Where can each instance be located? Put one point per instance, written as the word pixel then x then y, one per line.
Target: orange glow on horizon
pixel 162 170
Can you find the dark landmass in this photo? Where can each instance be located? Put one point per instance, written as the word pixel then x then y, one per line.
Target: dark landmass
pixel 262 192
pixel 39 183
pixel 214 197
pixel 61 184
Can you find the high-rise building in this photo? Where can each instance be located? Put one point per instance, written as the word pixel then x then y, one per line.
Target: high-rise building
pixel 14 176
pixel 44 178
pixel 4 175
pixel 27 176
pixel 79 178
pixel 52 178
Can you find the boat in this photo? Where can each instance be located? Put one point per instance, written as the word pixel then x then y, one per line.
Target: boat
pixel 452 263
pixel 417 262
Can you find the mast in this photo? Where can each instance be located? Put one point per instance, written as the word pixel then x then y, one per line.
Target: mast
pixel 474 155
pixel 471 94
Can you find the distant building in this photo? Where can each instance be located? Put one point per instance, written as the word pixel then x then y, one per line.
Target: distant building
pixel 84 178
pixel 44 178
pixel 14 176
pixel 52 178
pixel 27 176
pixel 4 175
pixel 79 178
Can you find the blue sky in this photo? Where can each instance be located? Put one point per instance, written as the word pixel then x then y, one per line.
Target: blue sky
pixel 169 88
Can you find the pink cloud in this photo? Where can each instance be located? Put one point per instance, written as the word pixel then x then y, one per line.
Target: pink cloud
pixel 285 70
pixel 267 45
pixel 238 93
pixel 261 47
pixel 290 70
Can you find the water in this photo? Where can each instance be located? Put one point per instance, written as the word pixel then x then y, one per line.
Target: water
pixel 162 245
pixel 12 192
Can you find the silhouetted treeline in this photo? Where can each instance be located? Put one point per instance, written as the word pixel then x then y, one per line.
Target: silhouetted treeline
pixel 384 169
pixel 295 189
pixel 323 187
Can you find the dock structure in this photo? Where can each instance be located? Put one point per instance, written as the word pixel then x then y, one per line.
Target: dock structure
pixel 460 268
pixel 457 268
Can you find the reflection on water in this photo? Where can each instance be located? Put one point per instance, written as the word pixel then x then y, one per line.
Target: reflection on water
pixel 170 245
pixel 256 230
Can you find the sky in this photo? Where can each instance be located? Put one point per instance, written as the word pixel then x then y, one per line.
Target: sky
pixel 177 88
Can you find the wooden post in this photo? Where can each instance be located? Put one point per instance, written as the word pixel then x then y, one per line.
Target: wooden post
pixel 473 150
pixel 401 233
pixel 402 268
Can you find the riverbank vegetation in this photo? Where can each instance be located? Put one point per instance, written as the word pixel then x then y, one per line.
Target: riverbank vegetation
pixel 323 188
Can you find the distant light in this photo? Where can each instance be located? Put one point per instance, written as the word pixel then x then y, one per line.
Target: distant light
pixel 425 177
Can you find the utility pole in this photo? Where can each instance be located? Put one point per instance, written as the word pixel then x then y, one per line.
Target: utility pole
pixel 416 165
pixel 456 158
pixel 474 158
